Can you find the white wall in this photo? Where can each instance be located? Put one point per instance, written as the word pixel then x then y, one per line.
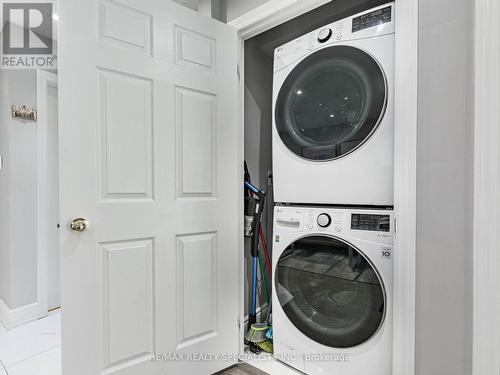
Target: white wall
pixel 236 8
pixel 444 191
pixel 224 10
pixel 18 268
pixel 4 192
pixel 193 4
pixel 210 8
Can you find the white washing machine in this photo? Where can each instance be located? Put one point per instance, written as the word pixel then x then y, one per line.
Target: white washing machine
pixel 332 290
pixel 333 116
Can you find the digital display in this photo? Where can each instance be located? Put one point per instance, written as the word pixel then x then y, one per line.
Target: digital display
pixel 371 19
pixel 377 223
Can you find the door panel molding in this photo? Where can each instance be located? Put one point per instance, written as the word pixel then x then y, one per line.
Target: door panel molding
pixel 131 159
pixel 125 27
pixel 196 253
pixel 196 117
pixel 127 286
pixel 195 50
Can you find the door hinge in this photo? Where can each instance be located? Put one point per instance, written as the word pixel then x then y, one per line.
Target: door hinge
pixel 238 322
pixel 395 225
pixel 238 72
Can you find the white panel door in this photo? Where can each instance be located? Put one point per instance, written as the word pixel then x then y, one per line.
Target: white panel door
pixel 150 157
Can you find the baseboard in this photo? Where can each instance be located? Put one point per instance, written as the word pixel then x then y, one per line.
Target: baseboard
pixel 11 318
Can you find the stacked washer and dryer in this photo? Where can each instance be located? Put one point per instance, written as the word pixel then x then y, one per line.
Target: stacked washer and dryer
pixel 333 183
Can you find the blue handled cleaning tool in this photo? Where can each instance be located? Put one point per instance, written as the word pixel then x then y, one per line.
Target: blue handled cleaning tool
pixel 258 208
pixel 256 335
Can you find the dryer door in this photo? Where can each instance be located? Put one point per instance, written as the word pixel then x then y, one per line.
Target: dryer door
pixel 330 291
pixel 331 103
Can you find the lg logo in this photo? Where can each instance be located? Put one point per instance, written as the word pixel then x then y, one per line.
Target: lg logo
pixel 27 29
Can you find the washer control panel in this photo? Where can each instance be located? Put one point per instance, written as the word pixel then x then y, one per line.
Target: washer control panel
pixel 367 224
pixel 376 223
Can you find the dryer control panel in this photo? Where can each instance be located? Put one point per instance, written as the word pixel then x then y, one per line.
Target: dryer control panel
pixel 374 22
pixel 371 19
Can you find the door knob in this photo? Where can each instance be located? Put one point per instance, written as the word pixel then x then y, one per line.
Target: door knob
pixel 79 225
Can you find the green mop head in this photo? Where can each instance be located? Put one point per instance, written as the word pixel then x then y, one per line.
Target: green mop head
pixel 257 333
pixel 266 346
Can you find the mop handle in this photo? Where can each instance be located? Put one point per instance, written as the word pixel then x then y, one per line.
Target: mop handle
pixel 253 307
pixel 253 188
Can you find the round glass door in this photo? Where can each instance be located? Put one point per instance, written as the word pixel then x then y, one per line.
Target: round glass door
pixel 330 291
pixel 331 103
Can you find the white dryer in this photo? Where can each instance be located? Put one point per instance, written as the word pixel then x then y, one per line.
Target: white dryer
pixel 332 290
pixel 333 113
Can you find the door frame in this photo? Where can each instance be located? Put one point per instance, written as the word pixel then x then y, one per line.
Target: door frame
pixel 486 257
pixel 44 79
pixel 275 12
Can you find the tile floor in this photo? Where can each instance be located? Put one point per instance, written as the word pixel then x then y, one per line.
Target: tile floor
pixel 32 349
pixel 35 349
pixel 242 369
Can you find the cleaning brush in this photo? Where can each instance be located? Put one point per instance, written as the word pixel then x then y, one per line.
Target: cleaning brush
pixel 257 333
pixel 266 346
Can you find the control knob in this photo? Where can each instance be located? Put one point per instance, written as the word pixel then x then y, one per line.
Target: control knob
pixel 324 35
pixel 324 220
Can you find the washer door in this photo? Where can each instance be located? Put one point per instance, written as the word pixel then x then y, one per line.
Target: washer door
pixel 330 291
pixel 331 103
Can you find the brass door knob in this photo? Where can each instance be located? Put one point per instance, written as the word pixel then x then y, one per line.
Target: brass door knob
pixel 79 225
